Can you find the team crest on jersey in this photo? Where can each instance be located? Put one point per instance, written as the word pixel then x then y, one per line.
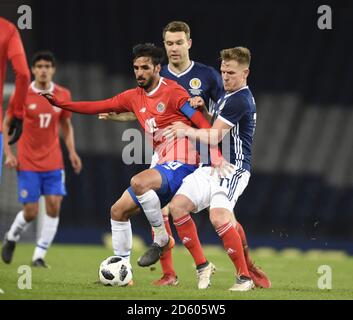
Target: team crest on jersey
pixel 24 193
pixel 160 107
pixel 32 106
pixel 195 85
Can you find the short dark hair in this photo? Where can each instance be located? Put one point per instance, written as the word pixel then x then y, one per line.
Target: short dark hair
pixel 177 26
pixel 148 50
pixel 44 55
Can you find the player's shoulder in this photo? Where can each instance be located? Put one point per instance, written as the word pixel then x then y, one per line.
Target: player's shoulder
pixel 131 93
pixel 7 26
pixel 58 89
pixel 200 67
pixel 173 89
pixel 242 97
pixel 169 84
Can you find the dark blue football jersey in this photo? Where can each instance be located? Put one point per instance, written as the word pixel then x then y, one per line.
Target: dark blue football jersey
pixel 238 110
pixel 198 80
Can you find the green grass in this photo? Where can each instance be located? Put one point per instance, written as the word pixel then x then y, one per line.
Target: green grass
pixel 73 275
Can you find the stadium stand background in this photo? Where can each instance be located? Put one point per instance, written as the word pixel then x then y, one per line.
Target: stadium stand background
pixel 301 190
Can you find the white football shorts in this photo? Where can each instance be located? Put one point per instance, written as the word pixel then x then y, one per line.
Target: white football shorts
pixel 206 190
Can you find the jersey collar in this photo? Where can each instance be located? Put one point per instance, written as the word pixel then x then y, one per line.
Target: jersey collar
pixel 148 94
pixel 36 90
pixel 230 94
pixel 178 75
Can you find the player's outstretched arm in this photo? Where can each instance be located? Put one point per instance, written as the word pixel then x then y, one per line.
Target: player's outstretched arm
pixel 87 107
pixel 120 117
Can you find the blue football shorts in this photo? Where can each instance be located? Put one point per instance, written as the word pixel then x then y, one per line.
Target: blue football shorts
pixel 32 185
pixel 173 173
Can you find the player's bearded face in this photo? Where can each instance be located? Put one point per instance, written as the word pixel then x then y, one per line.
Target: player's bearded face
pixel 234 75
pixel 177 47
pixel 145 72
pixel 43 71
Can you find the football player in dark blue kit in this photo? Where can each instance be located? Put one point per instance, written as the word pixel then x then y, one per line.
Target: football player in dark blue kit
pixel 235 117
pixel 197 78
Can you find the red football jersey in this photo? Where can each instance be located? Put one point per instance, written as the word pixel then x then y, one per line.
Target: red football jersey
pixel 11 48
pixel 39 147
pixel 154 111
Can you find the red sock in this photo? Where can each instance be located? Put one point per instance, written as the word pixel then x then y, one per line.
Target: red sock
pixel 232 244
pixel 167 258
pixel 188 235
pixel 244 242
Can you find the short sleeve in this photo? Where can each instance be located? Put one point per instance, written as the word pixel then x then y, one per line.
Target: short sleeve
pixel 234 109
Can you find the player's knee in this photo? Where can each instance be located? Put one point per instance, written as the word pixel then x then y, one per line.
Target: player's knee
pixel 30 213
pixel 219 218
pixel 53 209
pixel 176 209
pixel 138 185
pixel 117 212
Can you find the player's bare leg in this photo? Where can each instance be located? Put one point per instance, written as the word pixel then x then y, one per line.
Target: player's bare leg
pixel 20 224
pixel 144 185
pixel 48 230
pixel 169 277
pixel 257 275
pixel 221 219
pixel 180 208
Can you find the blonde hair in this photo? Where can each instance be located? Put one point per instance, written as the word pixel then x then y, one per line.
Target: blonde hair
pixel 240 54
pixel 177 26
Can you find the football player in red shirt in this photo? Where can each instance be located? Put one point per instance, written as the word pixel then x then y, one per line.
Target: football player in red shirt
pixel 156 102
pixel 39 160
pixel 11 49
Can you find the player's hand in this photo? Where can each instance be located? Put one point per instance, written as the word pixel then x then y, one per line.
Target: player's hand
pixel 176 130
pixel 103 116
pixel 197 102
pixel 222 168
pixel 75 162
pixel 15 128
pixel 11 161
pixel 51 98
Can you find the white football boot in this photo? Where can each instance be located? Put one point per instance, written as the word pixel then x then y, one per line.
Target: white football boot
pixel 204 276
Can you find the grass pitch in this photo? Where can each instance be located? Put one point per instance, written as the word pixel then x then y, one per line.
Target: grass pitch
pixel 73 275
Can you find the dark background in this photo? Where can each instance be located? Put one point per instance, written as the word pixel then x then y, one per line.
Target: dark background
pixel 301 190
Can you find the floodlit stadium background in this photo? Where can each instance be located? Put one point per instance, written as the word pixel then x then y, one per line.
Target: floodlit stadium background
pixel 301 190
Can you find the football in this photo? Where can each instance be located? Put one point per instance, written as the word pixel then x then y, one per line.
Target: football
pixel 115 271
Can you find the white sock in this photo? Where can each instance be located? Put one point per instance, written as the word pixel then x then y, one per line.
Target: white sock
pixel 18 226
pixel 122 238
pixel 47 234
pixel 152 207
